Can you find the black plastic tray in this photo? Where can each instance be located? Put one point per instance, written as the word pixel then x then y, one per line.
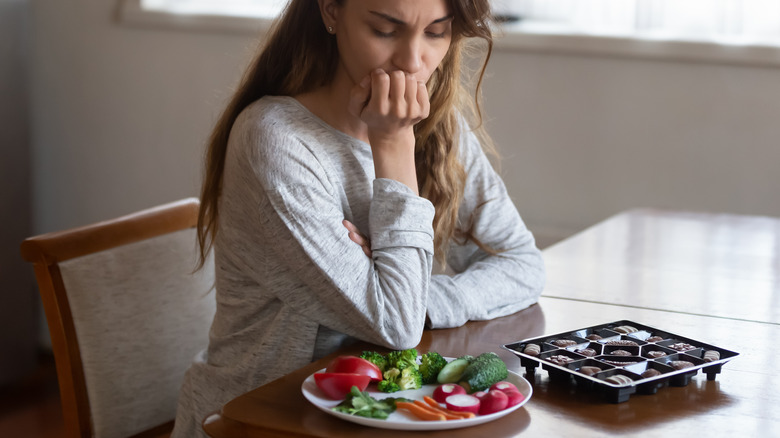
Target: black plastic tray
pixel 636 359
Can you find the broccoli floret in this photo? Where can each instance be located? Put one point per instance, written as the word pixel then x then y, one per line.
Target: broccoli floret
pixel 390 383
pixel 431 363
pixel 392 374
pixel 377 359
pixel 388 386
pixel 410 379
pixel 402 358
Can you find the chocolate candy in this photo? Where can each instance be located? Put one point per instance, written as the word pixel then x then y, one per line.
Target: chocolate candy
pixel 680 364
pixel 623 343
pixel 682 346
pixel 589 370
pixel 619 379
pixel 563 342
pixel 655 339
pixel 586 352
pixel 620 353
pixel 532 350
pixel 655 354
pixel 651 372
pixel 593 337
pixel 560 359
pixel 711 355
pixel 624 329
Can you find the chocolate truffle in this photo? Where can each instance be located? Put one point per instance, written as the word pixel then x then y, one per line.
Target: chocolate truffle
pixel 586 352
pixel 589 370
pixel 560 359
pixel 593 337
pixel 682 346
pixel 532 350
pixel 563 342
pixel 680 364
pixel 620 353
pixel 655 354
pixel 625 329
pixel 651 372
pixel 623 343
pixel 711 355
pixel 655 339
pixel 619 379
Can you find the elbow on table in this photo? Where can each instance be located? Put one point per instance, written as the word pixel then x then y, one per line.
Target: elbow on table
pixel 404 338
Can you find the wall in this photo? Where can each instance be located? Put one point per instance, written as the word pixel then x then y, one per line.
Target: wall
pixel 587 137
pixel 120 115
pixel 18 314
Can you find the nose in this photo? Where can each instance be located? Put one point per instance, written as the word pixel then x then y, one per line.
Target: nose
pixel 408 55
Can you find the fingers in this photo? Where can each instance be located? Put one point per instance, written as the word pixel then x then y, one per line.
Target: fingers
pixel 423 100
pixel 356 236
pixel 397 100
pixel 358 98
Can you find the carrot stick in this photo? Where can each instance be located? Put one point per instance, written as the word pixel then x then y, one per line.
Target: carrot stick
pixel 451 415
pixel 423 413
pixel 438 410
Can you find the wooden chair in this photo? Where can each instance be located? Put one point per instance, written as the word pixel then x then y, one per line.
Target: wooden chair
pixel 126 314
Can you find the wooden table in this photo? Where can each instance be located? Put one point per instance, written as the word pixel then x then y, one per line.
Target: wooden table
pixel 705 264
pixel 743 400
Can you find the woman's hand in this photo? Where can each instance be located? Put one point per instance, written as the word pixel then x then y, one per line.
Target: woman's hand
pixel 390 104
pixel 356 236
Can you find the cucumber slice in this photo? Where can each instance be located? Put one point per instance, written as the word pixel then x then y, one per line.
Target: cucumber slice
pixel 452 371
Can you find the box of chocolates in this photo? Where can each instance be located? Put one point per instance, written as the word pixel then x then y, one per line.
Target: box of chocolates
pixel 621 358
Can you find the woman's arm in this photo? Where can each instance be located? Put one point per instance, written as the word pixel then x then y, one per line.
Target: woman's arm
pixel 486 286
pixel 285 220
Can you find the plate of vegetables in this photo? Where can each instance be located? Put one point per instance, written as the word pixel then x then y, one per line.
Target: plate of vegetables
pixel 405 391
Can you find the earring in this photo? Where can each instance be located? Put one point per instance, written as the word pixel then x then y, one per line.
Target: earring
pixel 330 29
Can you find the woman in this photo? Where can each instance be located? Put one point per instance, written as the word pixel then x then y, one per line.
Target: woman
pixel 342 168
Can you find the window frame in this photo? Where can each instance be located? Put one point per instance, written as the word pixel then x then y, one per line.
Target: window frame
pixel 518 37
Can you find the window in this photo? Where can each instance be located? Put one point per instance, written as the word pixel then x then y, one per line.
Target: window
pixel 736 21
pixel 237 8
pixel 727 31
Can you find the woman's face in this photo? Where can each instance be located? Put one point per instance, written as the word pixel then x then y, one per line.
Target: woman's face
pixel 412 36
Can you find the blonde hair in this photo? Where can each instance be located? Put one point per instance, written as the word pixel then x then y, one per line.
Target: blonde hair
pixel 300 55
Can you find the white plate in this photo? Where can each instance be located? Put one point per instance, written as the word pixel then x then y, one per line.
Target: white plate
pixel 402 420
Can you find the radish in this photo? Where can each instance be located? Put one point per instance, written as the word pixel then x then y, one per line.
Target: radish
pixel 462 403
pixel 443 391
pixel 504 386
pixel 515 397
pixel 479 394
pixel 510 390
pixel 493 402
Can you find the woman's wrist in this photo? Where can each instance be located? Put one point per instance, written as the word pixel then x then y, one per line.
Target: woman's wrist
pixel 395 161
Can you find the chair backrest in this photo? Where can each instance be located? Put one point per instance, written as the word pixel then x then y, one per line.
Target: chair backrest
pixel 126 314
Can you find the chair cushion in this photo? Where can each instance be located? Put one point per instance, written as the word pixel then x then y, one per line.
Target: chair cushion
pixel 140 315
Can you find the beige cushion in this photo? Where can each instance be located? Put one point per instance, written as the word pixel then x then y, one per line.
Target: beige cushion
pixel 140 316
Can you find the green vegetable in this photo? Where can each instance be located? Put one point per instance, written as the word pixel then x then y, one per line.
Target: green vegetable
pixel 375 358
pixel 410 379
pixel 388 386
pixel 430 365
pixel 485 370
pixel 361 404
pixel 402 359
pixel 452 371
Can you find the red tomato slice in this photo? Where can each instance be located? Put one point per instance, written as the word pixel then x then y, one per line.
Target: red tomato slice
pixel 354 364
pixel 338 385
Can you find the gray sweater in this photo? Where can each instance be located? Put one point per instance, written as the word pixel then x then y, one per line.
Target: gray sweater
pixel 292 286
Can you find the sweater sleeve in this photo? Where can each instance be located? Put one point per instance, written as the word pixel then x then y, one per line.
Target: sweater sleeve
pixel 486 286
pixel 287 207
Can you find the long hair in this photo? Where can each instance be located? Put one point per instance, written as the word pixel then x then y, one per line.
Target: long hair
pixel 300 56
